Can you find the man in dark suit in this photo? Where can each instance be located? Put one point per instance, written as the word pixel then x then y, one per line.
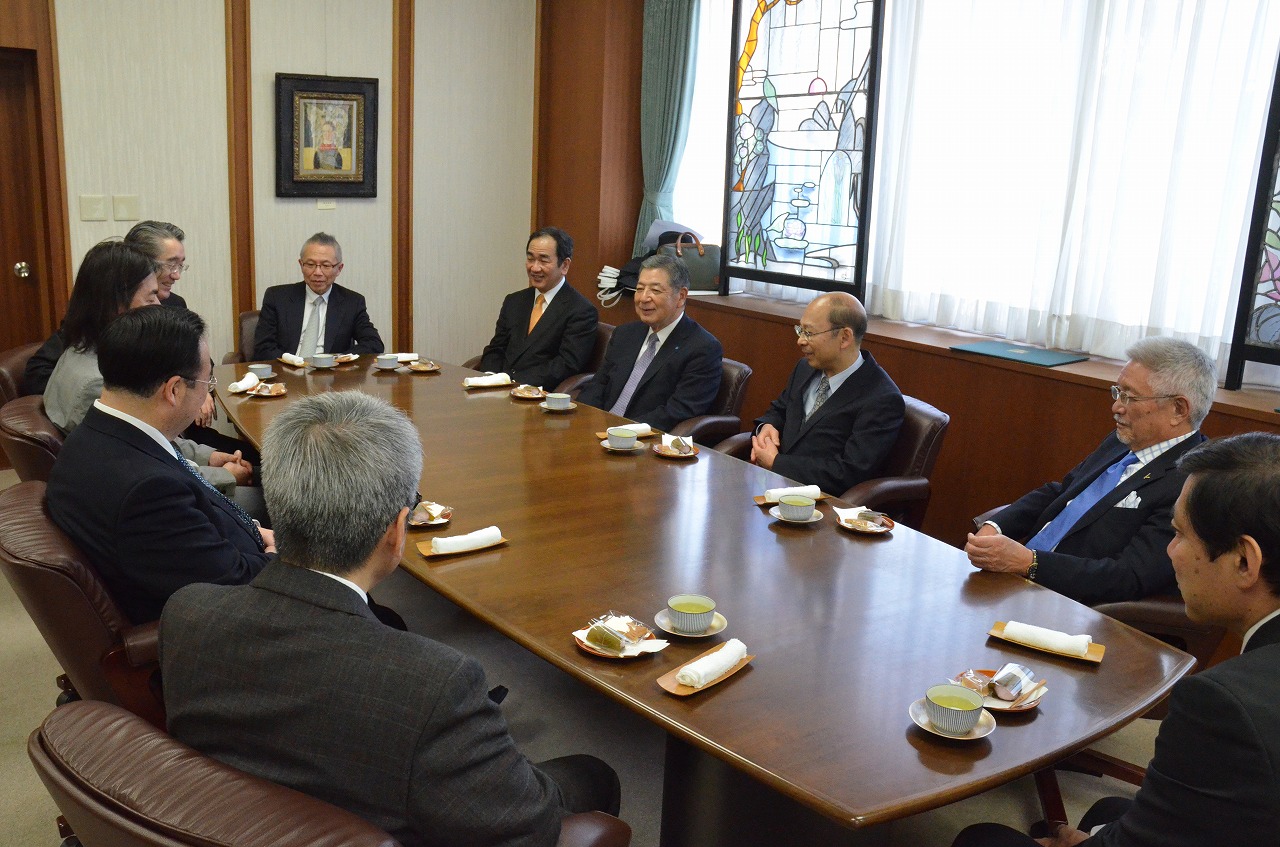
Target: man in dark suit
pixel 840 413
pixel 293 679
pixel 316 315
pixel 1214 779
pixel 145 517
pixel 663 368
pixel 555 343
pixel 1099 535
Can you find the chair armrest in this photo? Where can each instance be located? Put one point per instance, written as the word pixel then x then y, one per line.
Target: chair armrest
pixel 987 515
pixel 738 446
pixel 473 363
pixel 573 385
pixel 708 429
pixel 142 644
pixel 593 829
pixel 235 357
pixel 888 490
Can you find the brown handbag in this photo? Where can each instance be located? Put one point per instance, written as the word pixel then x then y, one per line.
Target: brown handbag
pixel 703 265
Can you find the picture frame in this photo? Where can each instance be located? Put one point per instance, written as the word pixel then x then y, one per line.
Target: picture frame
pixel 326 136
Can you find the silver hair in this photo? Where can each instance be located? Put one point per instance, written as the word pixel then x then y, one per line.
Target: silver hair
pixel 1178 368
pixel 336 469
pixel 675 268
pixel 324 239
pixel 150 236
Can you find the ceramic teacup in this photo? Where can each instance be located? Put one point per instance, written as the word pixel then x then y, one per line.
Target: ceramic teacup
pixel 557 401
pixel 795 507
pixel 387 361
pixel 952 709
pixel 621 438
pixel 322 360
pixel 260 371
pixel 691 613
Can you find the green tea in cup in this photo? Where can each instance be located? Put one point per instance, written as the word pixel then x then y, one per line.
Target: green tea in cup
pixel 691 614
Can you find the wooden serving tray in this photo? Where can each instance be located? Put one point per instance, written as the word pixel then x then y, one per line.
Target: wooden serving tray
pixel 424 547
pixel 668 680
pixel 1094 655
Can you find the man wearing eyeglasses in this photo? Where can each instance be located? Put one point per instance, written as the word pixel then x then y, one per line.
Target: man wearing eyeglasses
pixel 1099 535
pixel 316 315
pixel 840 413
pixel 146 518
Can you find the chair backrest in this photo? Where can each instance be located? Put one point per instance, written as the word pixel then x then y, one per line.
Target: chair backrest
pixel 60 590
pixel 248 330
pixel 13 362
pixel 119 781
pixel 734 377
pixel 29 438
pixel 919 440
pixel 604 332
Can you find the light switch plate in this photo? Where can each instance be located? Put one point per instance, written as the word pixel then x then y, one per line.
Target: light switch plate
pixel 93 207
pixel 326 204
pixel 124 207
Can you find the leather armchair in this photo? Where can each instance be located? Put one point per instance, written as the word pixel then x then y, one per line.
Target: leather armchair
pixel 904 491
pixel 13 362
pixel 104 655
pixel 29 438
pixel 248 328
pixel 724 419
pixel 120 781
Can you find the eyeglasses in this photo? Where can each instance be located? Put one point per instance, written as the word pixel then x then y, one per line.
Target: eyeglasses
pixel 212 381
pixel 1126 398
pixel 174 266
pixel 324 266
pixel 808 335
pixel 413 504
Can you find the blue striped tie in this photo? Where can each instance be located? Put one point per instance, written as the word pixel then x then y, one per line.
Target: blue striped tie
pixel 240 513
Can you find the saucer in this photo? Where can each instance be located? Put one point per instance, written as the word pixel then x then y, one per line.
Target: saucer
pixel 663 620
pixel 814 518
pixel 391 367
pixel 605 445
pixel 671 453
pixel 543 405
pixel 271 375
pixel 985 726
pixel 323 367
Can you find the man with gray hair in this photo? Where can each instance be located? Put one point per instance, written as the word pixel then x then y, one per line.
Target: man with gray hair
pixel 293 679
pixel 316 315
pixel 1099 535
pixel 663 368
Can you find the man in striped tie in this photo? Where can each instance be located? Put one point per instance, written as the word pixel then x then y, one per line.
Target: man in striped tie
pixel 1099 535
pixel 143 515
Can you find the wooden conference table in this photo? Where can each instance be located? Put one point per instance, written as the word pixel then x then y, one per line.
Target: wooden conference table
pixel 847 630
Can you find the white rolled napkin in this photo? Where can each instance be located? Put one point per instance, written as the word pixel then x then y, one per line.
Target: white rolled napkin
pixel 772 495
pixel 669 441
pixel 1048 639
pixel 249 382
pixel 712 667
pixel 640 429
pixel 406 357
pixel 486 537
pixel 485 381
pixel 291 359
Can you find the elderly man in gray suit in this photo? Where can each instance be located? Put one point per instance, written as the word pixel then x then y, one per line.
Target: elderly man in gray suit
pixel 293 679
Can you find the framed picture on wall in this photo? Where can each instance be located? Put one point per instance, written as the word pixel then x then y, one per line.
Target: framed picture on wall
pixel 326 136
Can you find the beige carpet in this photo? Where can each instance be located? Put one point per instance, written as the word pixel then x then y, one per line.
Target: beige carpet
pixel 549 713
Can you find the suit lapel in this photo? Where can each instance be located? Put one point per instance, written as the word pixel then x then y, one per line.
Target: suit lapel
pixel 841 397
pixel 1149 474
pixel 331 310
pixel 668 349
pixel 520 334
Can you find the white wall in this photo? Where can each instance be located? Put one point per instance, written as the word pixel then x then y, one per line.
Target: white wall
pixel 144 112
pixel 330 38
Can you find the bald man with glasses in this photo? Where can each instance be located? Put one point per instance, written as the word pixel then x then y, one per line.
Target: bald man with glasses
pixel 1100 534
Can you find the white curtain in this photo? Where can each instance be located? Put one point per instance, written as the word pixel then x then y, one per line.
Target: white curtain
pixel 1072 174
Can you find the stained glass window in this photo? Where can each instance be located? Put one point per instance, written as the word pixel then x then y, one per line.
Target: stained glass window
pixel 801 117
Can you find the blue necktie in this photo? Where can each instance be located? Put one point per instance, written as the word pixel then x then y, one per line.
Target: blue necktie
pixel 240 513
pixel 1054 531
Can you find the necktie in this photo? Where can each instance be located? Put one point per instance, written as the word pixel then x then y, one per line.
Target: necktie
pixel 240 513
pixel 824 391
pixel 1056 529
pixel 312 331
pixel 538 305
pixel 642 364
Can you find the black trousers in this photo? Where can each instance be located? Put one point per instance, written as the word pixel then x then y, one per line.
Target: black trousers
pixel 587 784
pixel 1105 810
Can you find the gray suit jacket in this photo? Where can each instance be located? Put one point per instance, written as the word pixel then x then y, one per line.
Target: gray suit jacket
pixel 293 679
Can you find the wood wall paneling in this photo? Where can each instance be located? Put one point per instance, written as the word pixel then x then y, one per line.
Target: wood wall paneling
pixel 240 160
pixel 402 176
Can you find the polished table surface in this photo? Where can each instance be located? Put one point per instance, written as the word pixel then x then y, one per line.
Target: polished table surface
pixel 847 630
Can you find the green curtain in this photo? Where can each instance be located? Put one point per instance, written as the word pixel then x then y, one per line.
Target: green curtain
pixel 666 95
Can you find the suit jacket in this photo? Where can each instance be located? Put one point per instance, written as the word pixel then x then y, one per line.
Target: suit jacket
pixel 1112 553
pixel 347 328
pixel 680 383
pixel 146 523
pixel 559 346
pixel 293 679
pixel 846 440
pixel 1215 777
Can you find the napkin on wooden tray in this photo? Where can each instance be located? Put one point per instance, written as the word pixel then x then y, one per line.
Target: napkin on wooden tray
pixel 772 495
pixel 640 429
pixel 486 537
pixel 485 381
pixel 1048 639
pixel 406 357
pixel 248 382
pixel 710 668
pixel 291 359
